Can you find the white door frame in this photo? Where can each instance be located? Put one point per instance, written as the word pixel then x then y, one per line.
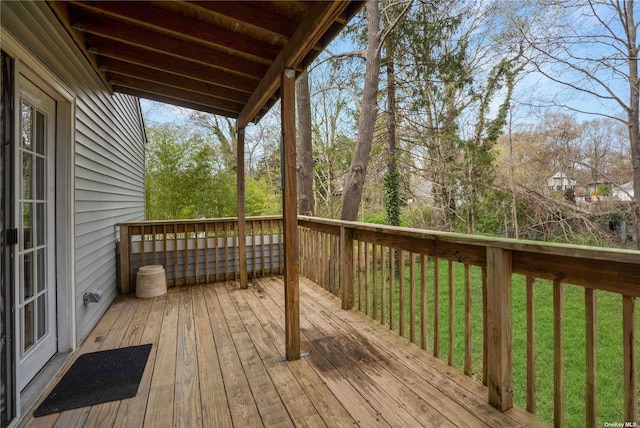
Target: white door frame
pixel 39 247
pixel 28 65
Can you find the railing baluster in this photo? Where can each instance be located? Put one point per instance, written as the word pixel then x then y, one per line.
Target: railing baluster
pixel 359 268
pixel 374 262
pixel 186 254
pixel 235 249
pixel 164 247
pixel 452 301
pixel 196 259
pixel 264 235
pixel 383 284
pixel 206 253
pixel 153 242
pixel 590 324
pixel 423 301
pixel 485 336
pixel 412 298
pixel 281 245
pixel 467 320
pixel 346 270
pixel 176 275
pixel 253 249
pixel 142 249
pixel 392 280
pixel 436 307
pixel 401 286
pixel 335 260
pixel 216 243
pixel 316 250
pixel 227 234
pixel 531 354
pixel 366 278
pixel 630 362
pixel 558 354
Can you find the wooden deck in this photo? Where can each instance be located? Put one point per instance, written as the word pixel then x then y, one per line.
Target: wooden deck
pixel 214 364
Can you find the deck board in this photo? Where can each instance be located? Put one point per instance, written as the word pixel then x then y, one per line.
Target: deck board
pixel 214 364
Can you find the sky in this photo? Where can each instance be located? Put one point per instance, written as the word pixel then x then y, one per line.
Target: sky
pixel 532 88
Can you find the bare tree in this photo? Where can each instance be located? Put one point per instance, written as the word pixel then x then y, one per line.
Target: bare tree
pixel 306 200
pixel 369 107
pixel 368 112
pixel 593 49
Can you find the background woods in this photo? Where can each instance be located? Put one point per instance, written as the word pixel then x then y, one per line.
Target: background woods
pixel 496 118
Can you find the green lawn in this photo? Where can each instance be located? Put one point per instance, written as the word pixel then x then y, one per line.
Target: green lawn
pixel 609 362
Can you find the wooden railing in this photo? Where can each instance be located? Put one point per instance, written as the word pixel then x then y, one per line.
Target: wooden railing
pixel 199 251
pixel 525 318
pixel 477 302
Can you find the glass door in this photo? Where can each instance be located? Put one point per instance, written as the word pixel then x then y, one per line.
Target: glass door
pixel 36 294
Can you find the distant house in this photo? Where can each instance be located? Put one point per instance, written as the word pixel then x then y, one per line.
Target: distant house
pixel 560 181
pixel 624 192
pixel 594 194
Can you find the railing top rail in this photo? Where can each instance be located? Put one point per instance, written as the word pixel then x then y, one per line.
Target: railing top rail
pixel 523 246
pixel 550 248
pixel 191 221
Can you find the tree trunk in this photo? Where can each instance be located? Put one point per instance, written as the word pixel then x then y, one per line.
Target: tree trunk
pixel 306 200
pixel 392 178
pixel 634 122
pixel 358 170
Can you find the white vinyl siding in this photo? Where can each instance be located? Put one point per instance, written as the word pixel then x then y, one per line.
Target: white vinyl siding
pixel 108 155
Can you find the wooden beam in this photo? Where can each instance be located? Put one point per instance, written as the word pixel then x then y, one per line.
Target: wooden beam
pixel 499 359
pixel 159 18
pixel 115 66
pixel 290 215
pixel 242 241
pixel 159 42
pixel 251 14
pixel 313 26
pixel 173 101
pixel 161 61
pixel 121 81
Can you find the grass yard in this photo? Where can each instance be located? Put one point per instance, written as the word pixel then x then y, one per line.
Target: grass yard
pixel 609 386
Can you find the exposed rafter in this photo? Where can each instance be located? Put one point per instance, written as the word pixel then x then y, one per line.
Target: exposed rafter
pixel 220 57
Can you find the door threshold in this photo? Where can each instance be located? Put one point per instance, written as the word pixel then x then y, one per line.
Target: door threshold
pixel 32 392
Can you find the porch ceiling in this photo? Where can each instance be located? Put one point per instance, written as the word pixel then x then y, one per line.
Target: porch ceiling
pixel 222 57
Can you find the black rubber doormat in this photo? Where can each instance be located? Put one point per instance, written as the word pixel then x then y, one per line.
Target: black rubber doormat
pixel 96 378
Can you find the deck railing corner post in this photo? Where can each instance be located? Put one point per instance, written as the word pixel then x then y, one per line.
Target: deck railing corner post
pixel 499 325
pixel 125 259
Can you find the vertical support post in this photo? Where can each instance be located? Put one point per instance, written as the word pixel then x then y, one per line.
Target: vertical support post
pixel 290 215
pixel 242 240
pixel 499 360
pixel 125 259
pixel 630 364
pixel 346 268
